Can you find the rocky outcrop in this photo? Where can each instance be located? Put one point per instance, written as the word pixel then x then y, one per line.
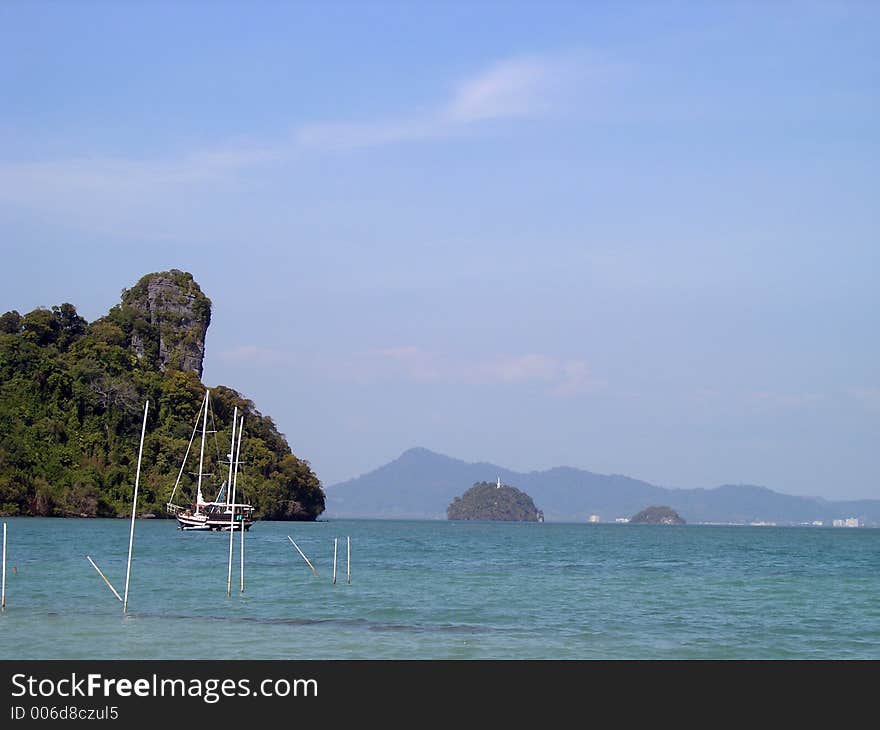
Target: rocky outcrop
pixel 170 319
pixel 71 398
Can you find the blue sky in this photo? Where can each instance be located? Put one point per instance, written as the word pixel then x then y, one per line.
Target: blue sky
pixel 635 238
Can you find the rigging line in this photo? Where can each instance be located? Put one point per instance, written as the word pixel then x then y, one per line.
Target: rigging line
pixel 183 464
pixel 214 426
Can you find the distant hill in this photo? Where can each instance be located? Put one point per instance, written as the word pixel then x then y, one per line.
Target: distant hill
pixel 420 484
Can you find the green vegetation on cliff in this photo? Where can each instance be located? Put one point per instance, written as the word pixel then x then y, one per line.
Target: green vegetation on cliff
pixel 657 516
pixel 485 501
pixel 71 405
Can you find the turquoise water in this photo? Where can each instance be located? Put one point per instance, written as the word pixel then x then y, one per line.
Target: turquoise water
pixel 440 590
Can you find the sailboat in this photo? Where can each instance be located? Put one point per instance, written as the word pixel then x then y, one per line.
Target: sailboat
pixel 223 513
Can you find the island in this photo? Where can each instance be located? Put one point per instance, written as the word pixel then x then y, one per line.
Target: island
pixel 494 502
pixel 657 516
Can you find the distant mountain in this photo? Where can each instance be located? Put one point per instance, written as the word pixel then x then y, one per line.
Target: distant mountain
pixel 420 484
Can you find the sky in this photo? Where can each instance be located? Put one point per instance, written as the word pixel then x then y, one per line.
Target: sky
pixel 634 238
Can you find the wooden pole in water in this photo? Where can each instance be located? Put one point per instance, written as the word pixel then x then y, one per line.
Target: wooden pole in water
pixel 232 507
pixel 241 551
pixel 3 589
pixel 303 555
pixel 335 541
pixel 348 565
pixel 109 584
pixel 134 500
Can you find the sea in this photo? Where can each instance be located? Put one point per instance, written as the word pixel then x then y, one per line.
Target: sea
pixel 441 590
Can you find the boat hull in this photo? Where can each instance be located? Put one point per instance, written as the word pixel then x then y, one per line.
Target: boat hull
pixel 214 517
pixel 193 522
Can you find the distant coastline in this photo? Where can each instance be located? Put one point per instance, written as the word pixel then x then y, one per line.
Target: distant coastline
pixel 420 484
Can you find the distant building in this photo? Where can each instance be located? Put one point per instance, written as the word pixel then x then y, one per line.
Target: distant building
pixel 762 523
pixel 818 523
pixel 621 520
pixel 848 522
pixel 594 518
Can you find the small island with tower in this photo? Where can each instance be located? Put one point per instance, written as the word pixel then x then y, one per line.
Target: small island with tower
pixel 494 502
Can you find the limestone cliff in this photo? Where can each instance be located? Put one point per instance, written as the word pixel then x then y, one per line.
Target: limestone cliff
pixel 170 319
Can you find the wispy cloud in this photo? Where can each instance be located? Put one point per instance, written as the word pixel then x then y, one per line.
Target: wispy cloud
pixel 101 175
pixel 561 377
pixel 335 136
pixel 120 195
pixel 514 88
pixel 523 87
pixel 112 194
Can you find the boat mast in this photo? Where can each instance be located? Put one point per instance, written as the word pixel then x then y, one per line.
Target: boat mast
pixel 231 456
pixel 199 498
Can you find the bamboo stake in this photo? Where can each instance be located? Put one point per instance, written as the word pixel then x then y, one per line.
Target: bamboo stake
pixel 134 500
pixel 335 541
pixel 232 506
pixel 348 565
pixel 241 551
pixel 303 555
pixel 109 584
pixel 3 589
